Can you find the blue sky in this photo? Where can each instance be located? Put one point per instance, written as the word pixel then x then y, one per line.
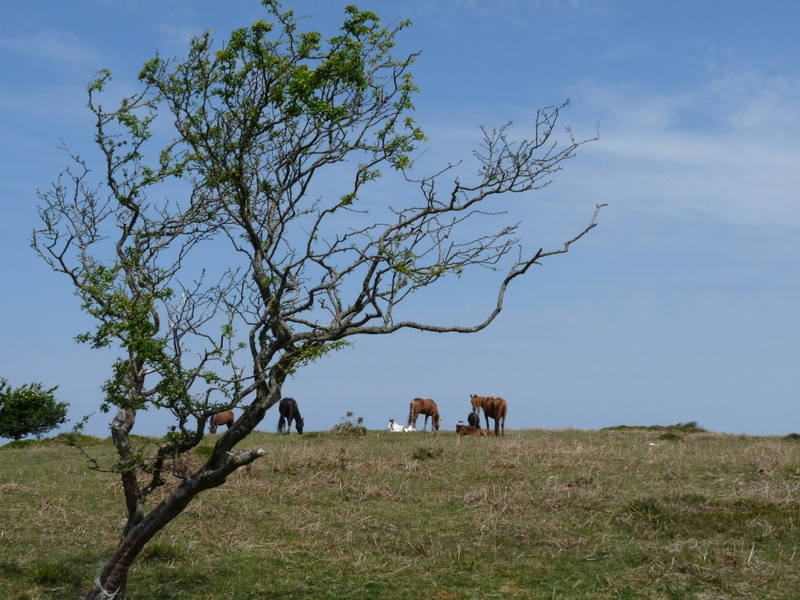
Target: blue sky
pixel 682 305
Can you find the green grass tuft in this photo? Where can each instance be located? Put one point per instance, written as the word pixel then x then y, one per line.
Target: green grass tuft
pixel 204 452
pixel 60 579
pixel 156 551
pixel 427 453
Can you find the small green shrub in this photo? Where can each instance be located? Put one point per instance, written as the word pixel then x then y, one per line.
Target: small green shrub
pixel 688 427
pixel 347 427
pixel 69 438
pixel 19 444
pixel 155 551
pixel 30 409
pixel 80 440
pixel 204 452
pixel 56 575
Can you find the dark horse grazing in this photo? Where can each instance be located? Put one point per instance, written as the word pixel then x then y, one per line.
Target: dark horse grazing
pixel 427 407
pixel 289 412
pixel 495 408
pixel 474 419
pixel 223 418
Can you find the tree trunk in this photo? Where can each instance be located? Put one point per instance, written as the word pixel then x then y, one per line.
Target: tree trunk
pixel 111 583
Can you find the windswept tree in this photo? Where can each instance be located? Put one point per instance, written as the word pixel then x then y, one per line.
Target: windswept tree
pixel 29 410
pixel 223 258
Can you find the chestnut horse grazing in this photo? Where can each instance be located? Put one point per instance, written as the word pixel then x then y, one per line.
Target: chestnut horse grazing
pixel 495 408
pixel 223 418
pixel 427 407
pixel 289 412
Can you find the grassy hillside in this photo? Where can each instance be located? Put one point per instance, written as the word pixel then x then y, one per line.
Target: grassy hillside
pixel 620 513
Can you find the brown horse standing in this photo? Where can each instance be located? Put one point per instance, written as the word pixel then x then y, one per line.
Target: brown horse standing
pixel 223 418
pixel 427 407
pixel 495 408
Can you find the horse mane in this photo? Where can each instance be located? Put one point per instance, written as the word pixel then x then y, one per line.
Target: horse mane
pixel 481 401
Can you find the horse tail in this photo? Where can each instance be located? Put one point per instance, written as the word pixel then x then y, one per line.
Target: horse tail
pixel 500 420
pixel 411 414
pixel 281 424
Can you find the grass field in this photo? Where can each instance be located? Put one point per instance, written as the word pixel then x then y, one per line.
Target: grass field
pixel 625 513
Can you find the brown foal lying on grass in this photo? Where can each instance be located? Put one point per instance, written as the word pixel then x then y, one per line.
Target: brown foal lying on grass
pixel 462 429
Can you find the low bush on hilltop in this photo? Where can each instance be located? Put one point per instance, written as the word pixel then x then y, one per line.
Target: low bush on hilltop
pixel 688 427
pixel 347 427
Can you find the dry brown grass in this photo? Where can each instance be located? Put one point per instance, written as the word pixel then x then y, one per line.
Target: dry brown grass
pixel 536 514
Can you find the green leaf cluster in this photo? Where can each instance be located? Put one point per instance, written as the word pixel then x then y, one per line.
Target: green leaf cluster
pixel 29 410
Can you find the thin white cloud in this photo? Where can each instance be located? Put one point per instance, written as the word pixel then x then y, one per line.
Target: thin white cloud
pixel 728 148
pixel 50 46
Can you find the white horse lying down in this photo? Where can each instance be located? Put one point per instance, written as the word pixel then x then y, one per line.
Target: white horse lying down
pixel 395 427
